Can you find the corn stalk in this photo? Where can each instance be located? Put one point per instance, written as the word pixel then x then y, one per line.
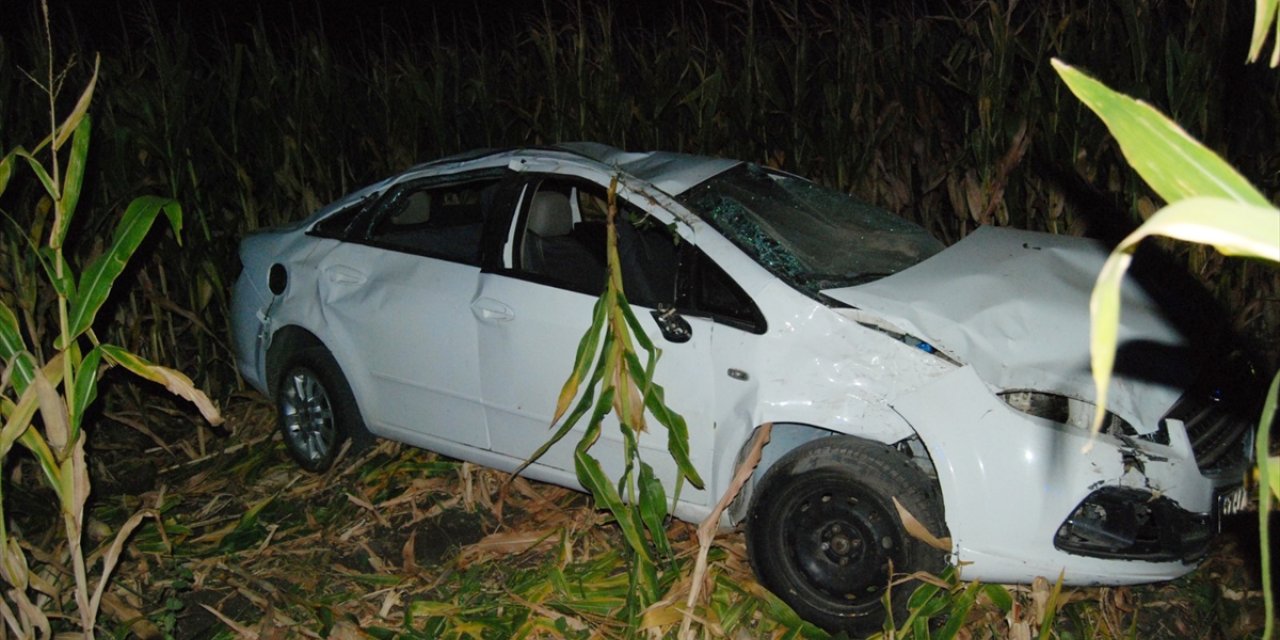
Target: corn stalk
pixel 43 401
pixel 638 503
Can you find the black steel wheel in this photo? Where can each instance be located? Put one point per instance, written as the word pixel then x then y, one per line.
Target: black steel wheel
pixel 823 532
pixel 317 411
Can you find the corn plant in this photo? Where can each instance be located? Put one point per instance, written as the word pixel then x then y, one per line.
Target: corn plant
pixel 942 606
pixel 607 354
pixel 44 400
pixel 1208 203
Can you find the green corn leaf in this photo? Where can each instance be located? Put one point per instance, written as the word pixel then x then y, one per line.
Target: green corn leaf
pixel 101 274
pixel 584 404
pixel 73 182
pixel 17 421
pixel 1268 487
pixel 43 176
pixel 13 349
pixel 86 388
pixel 637 330
pixel 32 440
pixel 1051 608
pixel 1173 163
pixel 677 428
pixel 247 532
pixel 999 596
pixel 6 171
pixel 175 381
pixel 959 612
pixel 922 595
pixel 653 509
pixel 1267 14
pixel 77 115
pixel 920 629
pixel 64 285
pixel 593 478
pixel 1234 228
pixel 587 348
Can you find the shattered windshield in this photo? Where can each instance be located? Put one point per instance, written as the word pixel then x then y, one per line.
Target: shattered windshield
pixel 813 237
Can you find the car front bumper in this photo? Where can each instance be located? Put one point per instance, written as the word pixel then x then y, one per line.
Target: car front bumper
pixel 1029 498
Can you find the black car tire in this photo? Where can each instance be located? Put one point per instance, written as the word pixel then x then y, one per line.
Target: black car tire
pixel 822 531
pixel 316 408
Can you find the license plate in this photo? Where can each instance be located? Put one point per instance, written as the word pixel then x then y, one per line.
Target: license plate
pixel 1233 501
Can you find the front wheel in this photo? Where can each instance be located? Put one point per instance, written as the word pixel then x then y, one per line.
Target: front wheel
pixel 317 410
pixel 823 532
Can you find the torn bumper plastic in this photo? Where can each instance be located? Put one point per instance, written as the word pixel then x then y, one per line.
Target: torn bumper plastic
pixel 1134 524
pixel 1042 498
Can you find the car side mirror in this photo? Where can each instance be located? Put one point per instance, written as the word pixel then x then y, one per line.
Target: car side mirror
pixel 673 325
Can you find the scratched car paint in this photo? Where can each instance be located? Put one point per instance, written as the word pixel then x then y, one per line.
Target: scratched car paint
pixel 442 307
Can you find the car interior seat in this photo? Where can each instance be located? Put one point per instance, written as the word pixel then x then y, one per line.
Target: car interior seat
pixel 548 248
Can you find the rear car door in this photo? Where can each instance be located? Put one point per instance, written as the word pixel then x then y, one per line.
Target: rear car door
pixel 397 295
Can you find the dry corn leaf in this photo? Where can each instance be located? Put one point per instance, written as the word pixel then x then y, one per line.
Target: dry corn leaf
pixel 364 504
pixel 661 614
pixel 175 381
pixel 345 630
pixel 241 630
pixel 53 409
pixel 507 543
pixel 128 615
pixel 919 531
pixel 706 530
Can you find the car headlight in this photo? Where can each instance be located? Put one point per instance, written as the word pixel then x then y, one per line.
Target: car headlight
pixel 1063 410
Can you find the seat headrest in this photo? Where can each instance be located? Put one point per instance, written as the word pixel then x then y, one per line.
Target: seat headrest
pixel 550 214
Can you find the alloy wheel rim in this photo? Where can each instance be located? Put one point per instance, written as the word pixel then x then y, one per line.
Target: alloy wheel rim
pixel 308 415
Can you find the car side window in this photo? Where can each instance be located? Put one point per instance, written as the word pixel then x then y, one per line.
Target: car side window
pixel 563 238
pixel 714 293
pixel 338 224
pixel 432 220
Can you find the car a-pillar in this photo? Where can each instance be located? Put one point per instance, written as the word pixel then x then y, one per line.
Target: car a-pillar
pixel 824 533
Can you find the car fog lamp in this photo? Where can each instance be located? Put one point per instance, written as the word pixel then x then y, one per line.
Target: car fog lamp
pixel 1135 524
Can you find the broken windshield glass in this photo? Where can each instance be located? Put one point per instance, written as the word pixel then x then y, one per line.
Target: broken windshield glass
pixel 814 238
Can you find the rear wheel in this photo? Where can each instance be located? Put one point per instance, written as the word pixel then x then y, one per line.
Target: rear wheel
pixel 823 531
pixel 317 411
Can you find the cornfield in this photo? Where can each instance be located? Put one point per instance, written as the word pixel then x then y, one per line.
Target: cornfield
pixel 945 112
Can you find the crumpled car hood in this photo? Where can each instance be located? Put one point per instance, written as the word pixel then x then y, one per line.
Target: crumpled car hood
pixel 1015 305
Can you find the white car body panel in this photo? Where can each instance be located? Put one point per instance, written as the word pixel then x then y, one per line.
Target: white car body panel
pixel 1004 504
pixel 1014 305
pixel 520 398
pixel 469 363
pixel 422 371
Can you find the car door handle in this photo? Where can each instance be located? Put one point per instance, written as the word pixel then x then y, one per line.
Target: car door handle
pixel 490 310
pixel 342 274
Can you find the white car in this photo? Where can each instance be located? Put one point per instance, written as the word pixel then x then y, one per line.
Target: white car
pixel 442 308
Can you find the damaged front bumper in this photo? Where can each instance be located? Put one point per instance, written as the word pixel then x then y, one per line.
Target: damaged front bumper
pixel 1027 497
pixel 1134 524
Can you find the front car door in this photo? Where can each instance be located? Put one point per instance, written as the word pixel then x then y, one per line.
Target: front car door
pixel 535 306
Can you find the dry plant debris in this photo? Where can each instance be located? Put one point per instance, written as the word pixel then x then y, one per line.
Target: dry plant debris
pixel 398 542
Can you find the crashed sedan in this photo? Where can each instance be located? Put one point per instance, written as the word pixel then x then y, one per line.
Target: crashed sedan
pixel 442 308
